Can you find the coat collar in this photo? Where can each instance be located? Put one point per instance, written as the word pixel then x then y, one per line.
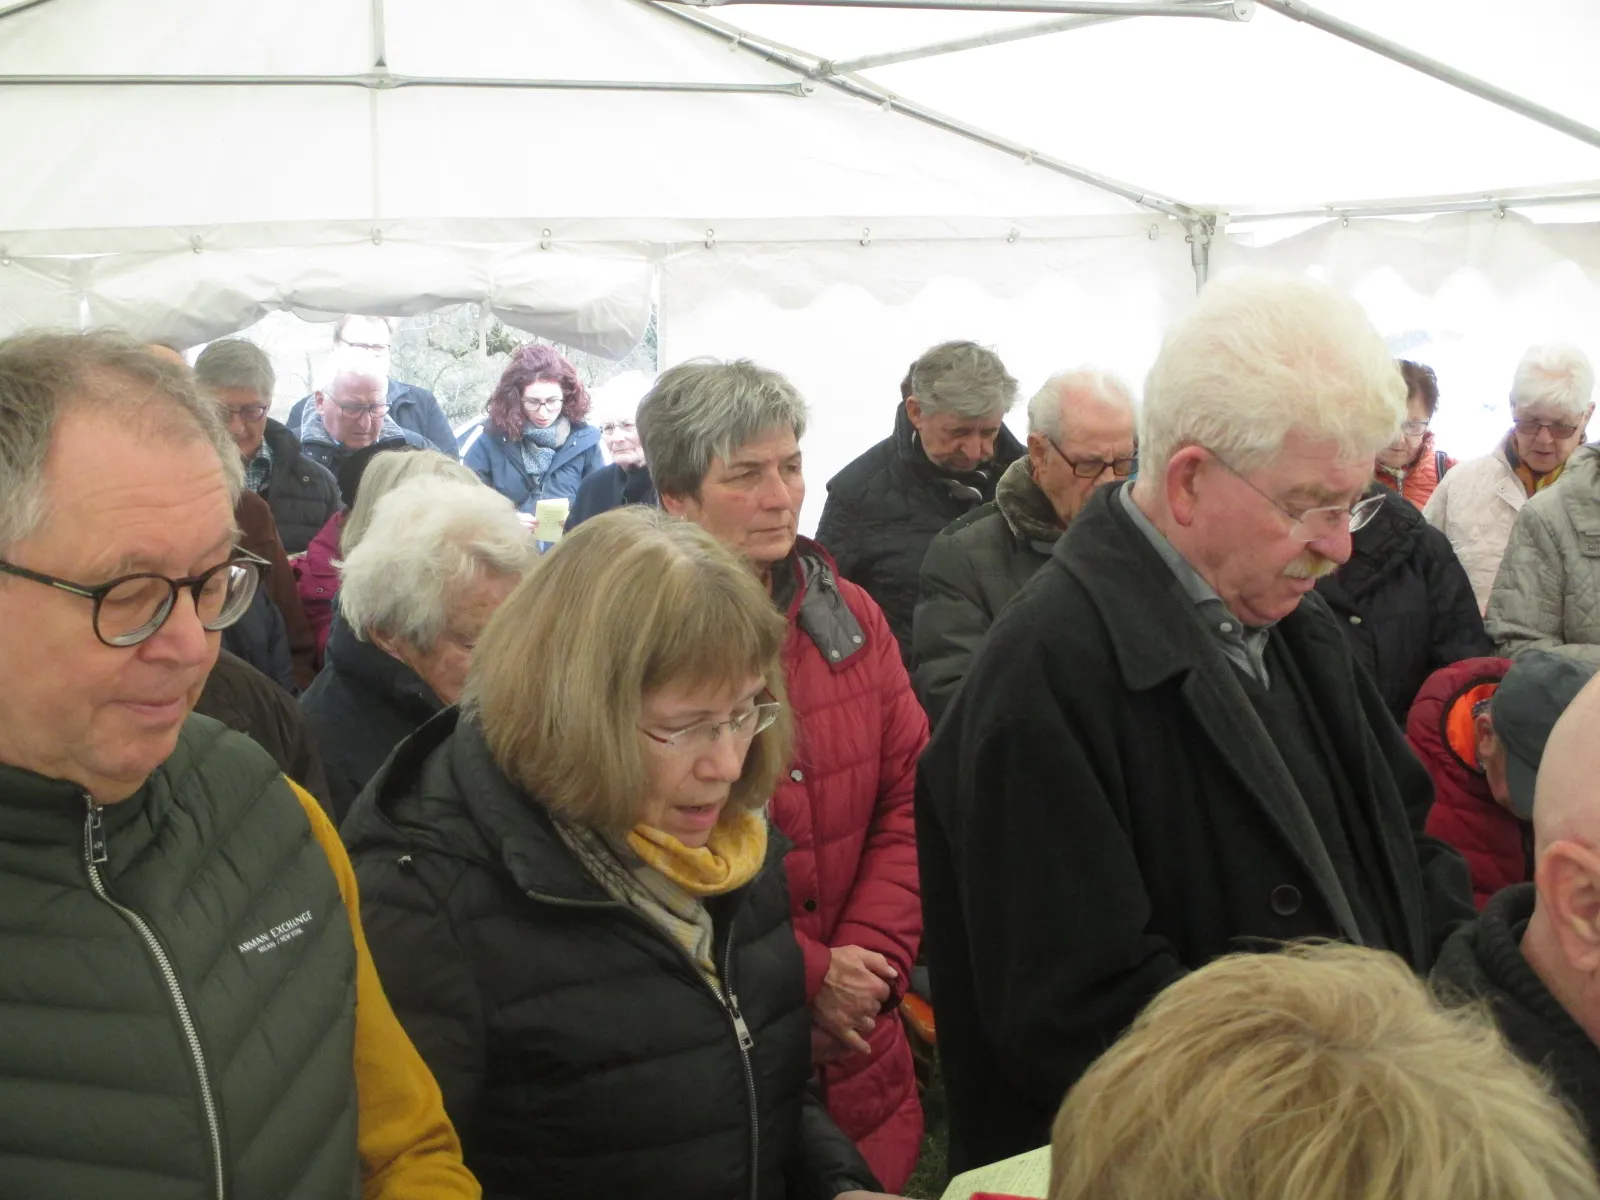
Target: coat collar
pixel 384 674
pixel 1025 508
pixel 974 487
pixel 817 608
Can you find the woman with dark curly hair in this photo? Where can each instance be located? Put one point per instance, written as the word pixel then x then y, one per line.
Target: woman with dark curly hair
pixel 535 444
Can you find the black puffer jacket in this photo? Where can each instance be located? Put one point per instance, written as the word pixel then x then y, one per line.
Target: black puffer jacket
pixel 1405 603
pixel 245 700
pixel 303 494
pixel 581 1054
pixel 261 639
pixel 971 571
pixel 361 706
pixel 884 509
pixel 1483 961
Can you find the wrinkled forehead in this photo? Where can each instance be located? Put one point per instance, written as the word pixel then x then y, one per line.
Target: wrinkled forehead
pixel 364 388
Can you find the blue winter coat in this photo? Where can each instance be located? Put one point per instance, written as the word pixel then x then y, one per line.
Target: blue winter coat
pixel 498 462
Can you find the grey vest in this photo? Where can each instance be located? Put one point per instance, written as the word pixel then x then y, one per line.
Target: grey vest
pixel 177 988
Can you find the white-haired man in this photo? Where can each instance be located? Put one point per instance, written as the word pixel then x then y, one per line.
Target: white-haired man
pixel 1534 952
pixel 369 341
pixel 190 1008
pixel 1477 503
pixel 1164 751
pixel 1080 437
pixel 947 452
pixel 349 412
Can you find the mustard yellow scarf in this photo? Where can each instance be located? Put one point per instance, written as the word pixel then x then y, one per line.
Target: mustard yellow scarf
pixel 730 858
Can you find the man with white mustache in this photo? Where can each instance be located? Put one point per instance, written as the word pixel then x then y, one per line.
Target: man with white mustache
pixel 1164 750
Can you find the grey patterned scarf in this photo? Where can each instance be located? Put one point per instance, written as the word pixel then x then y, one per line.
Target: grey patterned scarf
pixel 539 446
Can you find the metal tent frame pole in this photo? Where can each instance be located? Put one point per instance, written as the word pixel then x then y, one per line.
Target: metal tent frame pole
pixel 1234 10
pixel 386 81
pixel 862 90
pixel 1444 72
pixel 1419 206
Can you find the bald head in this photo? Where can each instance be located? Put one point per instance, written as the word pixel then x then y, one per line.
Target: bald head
pixel 1567 804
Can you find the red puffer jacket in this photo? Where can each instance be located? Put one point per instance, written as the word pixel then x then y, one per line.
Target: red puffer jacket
pixel 318 579
pixel 1441 731
pixel 847 807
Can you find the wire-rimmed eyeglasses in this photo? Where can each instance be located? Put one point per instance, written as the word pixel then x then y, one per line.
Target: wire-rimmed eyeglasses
pixel 1313 523
pixel 697 739
pixel 131 608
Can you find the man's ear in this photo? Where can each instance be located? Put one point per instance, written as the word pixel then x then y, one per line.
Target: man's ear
pixel 1038 452
pixel 1568 879
pixel 1484 741
pixel 1181 483
pixel 914 412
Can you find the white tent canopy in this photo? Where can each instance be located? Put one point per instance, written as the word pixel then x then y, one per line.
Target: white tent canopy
pixel 183 167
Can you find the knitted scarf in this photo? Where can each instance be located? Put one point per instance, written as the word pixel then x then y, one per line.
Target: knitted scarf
pixel 667 881
pixel 539 446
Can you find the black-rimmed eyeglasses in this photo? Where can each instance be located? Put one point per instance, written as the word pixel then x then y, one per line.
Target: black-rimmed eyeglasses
pixel 1093 468
pixel 131 608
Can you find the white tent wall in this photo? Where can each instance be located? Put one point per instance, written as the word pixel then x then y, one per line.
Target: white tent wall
pixel 1467 293
pixel 845 321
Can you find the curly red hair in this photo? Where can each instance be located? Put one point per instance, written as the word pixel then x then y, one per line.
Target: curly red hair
pixel 535 364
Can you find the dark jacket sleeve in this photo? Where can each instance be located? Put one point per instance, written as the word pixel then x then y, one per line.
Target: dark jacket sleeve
pixel 826 1161
pixel 1066 955
pixel 1455 624
pixel 426 973
pixel 599 492
pixel 947 626
pixel 435 425
pixel 301 759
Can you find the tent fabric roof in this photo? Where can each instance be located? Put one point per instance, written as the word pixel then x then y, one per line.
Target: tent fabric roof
pixel 185 210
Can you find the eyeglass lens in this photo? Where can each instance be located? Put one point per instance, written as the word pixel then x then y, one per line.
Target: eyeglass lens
pixel 139 605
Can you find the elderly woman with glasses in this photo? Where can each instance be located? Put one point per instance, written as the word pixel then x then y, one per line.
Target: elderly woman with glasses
pixel 535 444
pixel 574 898
pixel 426 571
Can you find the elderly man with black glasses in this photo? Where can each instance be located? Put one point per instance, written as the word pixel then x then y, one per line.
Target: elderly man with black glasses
pixel 189 1003
pixel 349 412
pixel 1164 752
pixel 1080 438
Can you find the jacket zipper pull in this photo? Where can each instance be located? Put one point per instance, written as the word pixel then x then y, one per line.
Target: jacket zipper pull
pixel 97 835
pixel 739 1027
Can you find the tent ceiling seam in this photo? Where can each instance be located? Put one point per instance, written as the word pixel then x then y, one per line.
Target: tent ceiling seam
pixel 861 89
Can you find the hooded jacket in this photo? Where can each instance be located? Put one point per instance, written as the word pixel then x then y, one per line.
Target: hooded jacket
pixel 363 704
pixel 302 494
pixel 1404 602
pixel 1484 961
pixel 582 1054
pixel 885 508
pixel 971 571
pixel 846 806
pixel 1547 594
pixel 498 462
pixel 1497 846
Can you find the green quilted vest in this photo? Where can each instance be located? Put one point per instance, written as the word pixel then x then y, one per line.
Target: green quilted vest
pixel 177 988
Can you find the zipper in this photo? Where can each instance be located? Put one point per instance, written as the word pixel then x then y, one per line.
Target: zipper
pixel 726 998
pixel 95 854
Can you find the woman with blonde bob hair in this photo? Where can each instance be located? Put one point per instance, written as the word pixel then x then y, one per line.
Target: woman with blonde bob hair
pixel 1326 1072
pixel 574 899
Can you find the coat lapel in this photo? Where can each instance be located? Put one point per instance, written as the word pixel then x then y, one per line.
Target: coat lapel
pixel 1161 639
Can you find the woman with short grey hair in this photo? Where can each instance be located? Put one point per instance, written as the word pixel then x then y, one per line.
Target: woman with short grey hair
pixel 432 566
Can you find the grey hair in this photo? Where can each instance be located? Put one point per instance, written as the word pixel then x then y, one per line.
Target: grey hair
pixel 236 363
pixel 428 539
pixel 1557 376
pixel 1044 410
pixel 44 374
pixel 352 364
pixel 1262 356
pixel 963 378
pixel 384 474
pixel 705 409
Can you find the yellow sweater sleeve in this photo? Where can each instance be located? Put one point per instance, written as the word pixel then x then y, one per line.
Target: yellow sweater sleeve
pixel 409 1149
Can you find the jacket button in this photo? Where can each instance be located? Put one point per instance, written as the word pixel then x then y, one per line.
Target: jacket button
pixel 797 775
pixel 810 905
pixel 856 638
pixel 833 654
pixel 1354 620
pixel 1286 900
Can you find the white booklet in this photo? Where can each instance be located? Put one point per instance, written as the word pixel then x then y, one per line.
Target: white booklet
pixel 1025 1175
